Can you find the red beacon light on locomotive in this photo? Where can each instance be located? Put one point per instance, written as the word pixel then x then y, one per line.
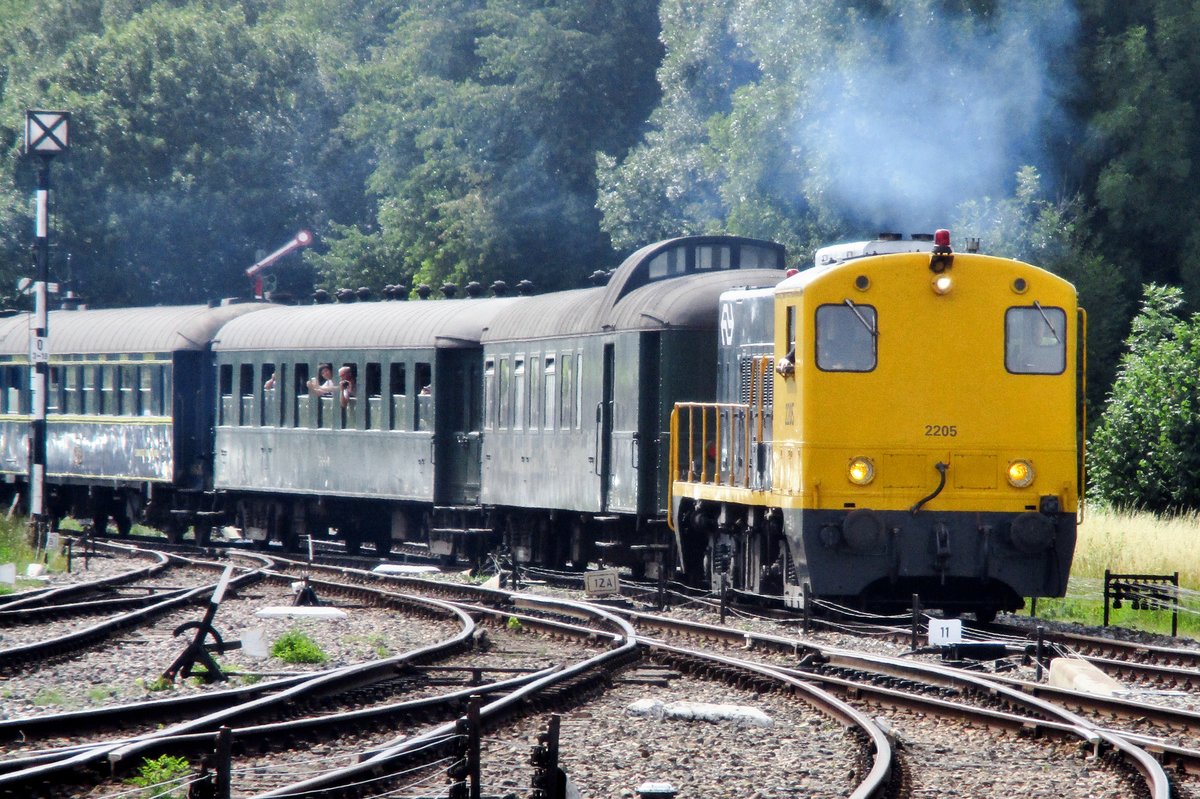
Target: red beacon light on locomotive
pixel 940 261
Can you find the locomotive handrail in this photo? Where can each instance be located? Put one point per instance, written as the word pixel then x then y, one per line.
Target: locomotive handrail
pixel 733 475
pixel 1081 488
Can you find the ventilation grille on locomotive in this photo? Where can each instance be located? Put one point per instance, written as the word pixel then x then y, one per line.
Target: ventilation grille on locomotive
pixel 768 379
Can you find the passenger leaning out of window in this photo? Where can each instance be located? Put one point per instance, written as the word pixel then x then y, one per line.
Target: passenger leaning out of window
pixel 322 385
pixel 346 384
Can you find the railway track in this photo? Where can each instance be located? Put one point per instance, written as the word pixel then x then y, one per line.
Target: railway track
pixel 61 770
pixel 1023 721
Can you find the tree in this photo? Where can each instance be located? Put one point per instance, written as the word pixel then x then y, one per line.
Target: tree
pixel 1146 452
pixel 1139 106
pixel 197 140
pixel 484 119
pixel 1055 235
pixel 805 121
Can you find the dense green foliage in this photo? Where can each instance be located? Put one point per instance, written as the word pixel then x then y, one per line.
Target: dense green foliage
pixel 163 776
pixel 455 140
pixel 1147 446
pixel 295 646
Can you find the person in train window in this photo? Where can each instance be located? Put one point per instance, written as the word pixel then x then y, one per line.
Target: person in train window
pixel 347 385
pixel 322 385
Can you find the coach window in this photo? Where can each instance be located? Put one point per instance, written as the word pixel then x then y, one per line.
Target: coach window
pixel 759 258
pixel 398 388
pixel 246 391
pixel 549 392
pixel 268 409
pixel 108 389
pixel 564 391
pixel 504 396
pixel 709 257
pixel 127 390
pixel 71 400
pixel 578 390
pixel 519 393
pixel 423 377
pixel 54 390
pixel 533 416
pixel 300 395
pixel 225 383
pixel 489 394
pixel 373 391
pixel 89 389
pixel 9 383
pixel 168 389
pixel 668 263
pixel 1035 340
pixel 846 336
pixel 147 404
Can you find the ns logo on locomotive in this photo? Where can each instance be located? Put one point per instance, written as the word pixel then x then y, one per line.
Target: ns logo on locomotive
pixel 897 419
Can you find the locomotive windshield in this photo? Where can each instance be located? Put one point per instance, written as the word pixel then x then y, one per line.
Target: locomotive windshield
pixel 1035 340
pixel 846 338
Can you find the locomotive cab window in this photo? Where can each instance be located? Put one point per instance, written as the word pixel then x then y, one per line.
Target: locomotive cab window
pixel 846 337
pixel 1035 340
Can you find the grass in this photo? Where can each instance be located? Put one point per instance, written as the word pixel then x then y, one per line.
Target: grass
pixel 158 775
pixel 295 646
pixel 15 548
pixel 1130 543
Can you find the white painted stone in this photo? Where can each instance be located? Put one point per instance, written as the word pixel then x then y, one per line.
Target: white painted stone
pixel 1079 675
pixel 301 612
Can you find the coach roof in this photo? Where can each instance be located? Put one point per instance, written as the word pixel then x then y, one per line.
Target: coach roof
pixel 684 303
pixel 364 325
pixel 669 284
pixel 126 330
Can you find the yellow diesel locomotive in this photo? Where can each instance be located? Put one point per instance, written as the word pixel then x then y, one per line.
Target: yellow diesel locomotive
pixel 898 419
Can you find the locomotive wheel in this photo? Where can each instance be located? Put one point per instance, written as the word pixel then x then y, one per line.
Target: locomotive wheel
pixel 124 525
pixel 100 523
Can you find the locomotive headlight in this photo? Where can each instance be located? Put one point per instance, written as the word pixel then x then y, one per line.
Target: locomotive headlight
pixel 861 471
pixel 1020 474
pixel 942 284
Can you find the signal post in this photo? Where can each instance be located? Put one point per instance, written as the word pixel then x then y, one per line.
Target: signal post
pixel 46 135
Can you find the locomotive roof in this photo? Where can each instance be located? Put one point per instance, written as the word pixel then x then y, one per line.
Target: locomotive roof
pixel 366 325
pixel 636 298
pixel 126 330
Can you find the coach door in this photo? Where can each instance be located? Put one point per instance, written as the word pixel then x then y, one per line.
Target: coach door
pixel 604 426
pixel 632 375
pixel 458 439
